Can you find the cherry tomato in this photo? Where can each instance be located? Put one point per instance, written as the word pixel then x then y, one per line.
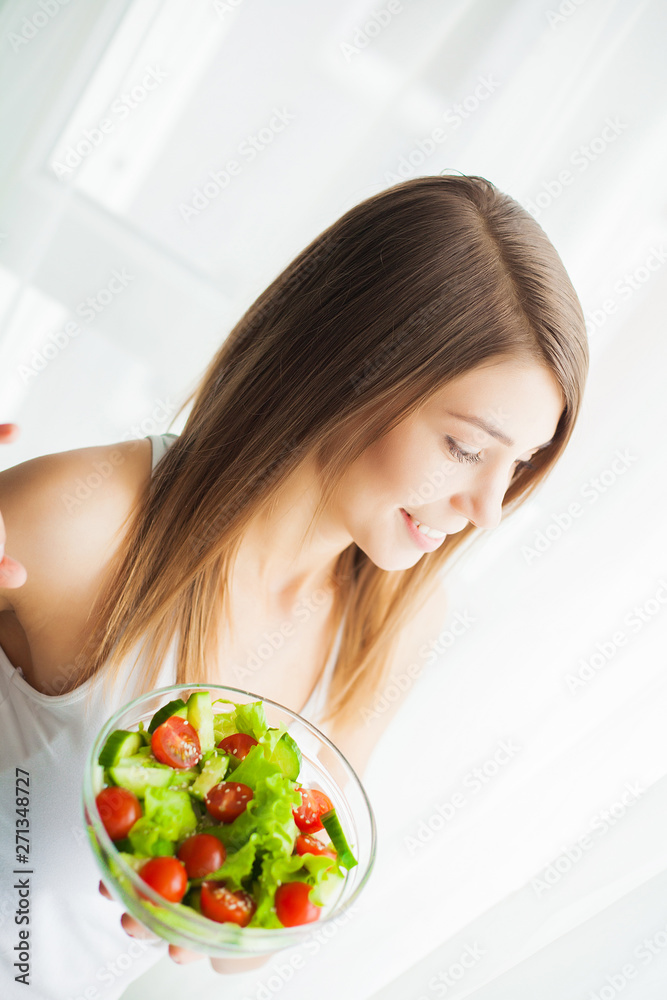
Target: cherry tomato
pixel 238 744
pixel 322 801
pixel 221 904
pixel 201 854
pixel 227 800
pixel 119 810
pixel 293 905
pixel 176 743
pixel 167 876
pixel 311 845
pixel 313 804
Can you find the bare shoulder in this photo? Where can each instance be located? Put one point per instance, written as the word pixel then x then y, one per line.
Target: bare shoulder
pixel 359 736
pixel 64 514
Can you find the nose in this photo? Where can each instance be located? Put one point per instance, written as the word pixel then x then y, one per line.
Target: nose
pixel 482 502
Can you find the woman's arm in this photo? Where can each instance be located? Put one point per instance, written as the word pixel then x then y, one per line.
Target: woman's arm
pixel 64 531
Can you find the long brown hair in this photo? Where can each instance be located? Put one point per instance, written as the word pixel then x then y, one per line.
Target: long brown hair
pixel 408 290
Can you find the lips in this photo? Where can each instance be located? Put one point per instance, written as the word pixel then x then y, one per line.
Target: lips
pixel 421 540
pixel 415 518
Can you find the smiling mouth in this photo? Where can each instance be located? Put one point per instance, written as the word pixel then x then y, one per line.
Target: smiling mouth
pixel 425 529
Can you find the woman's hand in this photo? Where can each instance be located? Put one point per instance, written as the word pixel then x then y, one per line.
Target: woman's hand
pixel 12 573
pixel 183 955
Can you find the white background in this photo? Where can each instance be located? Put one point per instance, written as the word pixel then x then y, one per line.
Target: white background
pixel 523 93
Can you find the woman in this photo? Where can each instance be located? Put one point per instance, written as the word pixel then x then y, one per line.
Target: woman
pixel 409 379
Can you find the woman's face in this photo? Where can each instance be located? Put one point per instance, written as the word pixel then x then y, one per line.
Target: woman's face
pixel 445 470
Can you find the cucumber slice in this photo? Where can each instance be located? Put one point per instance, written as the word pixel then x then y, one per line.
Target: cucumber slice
pixel 331 824
pixel 233 763
pixel 213 771
pixel 176 707
pixel 200 715
pixel 142 758
pixel 287 756
pixel 183 778
pixel 120 743
pixel 137 777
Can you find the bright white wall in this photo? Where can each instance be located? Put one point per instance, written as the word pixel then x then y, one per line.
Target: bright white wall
pixel 580 91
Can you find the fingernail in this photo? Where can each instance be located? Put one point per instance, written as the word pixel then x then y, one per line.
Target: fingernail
pixel 8 565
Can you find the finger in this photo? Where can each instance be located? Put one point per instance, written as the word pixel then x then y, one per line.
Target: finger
pixel 183 956
pixel 105 891
pixel 8 433
pixel 128 923
pixel 230 966
pixel 12 573
pixel 134 928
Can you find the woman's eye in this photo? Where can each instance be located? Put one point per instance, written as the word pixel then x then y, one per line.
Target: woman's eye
pixel 459 454
pixel 469 456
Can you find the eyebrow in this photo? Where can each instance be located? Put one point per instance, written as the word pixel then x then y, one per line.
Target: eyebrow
pixel 493 431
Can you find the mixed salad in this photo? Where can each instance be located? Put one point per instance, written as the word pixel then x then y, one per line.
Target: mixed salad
pixel 207 808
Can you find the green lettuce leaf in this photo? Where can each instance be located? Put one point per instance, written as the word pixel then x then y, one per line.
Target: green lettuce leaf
pixel 251 719
pixel 267 820
pixel 224 724
pixel 170 810
pixel 271 737
pixel 254 767
pixel 148 841
pixel 236 868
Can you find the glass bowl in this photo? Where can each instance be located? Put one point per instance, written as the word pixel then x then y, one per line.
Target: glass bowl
pixel 323 767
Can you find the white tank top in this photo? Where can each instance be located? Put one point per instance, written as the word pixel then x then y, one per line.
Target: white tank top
pixel 76 943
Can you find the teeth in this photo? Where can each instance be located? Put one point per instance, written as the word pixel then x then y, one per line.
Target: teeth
pixel 424 528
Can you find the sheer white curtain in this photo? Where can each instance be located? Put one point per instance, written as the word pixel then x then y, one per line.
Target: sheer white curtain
pixel 521 792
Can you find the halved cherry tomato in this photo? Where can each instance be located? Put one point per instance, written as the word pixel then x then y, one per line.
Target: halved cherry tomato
pixel 119 810
pixel 293 905
pixel 201 854
pixel 221 904
pixel 313 804
pixel 176 743
pixel 167 876
pixel 322 801
pixel 238 744
pixel 311 845
pixel 227 800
